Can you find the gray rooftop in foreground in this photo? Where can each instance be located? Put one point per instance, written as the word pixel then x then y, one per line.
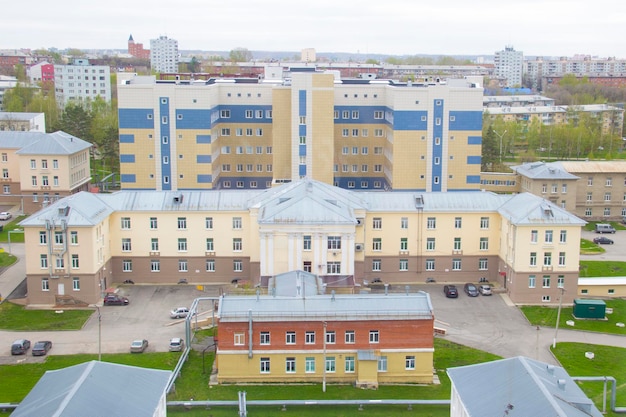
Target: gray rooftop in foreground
pixel 521 386
pixel 39 143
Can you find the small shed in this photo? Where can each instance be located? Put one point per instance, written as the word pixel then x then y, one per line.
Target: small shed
pixel 589 309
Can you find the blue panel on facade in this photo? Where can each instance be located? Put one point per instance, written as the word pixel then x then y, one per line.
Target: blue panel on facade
pixel 437 144
pixel 128 178
pixel 474 140
pixel 203 138
pixel 127 158
pixel 203 159
pixel 193 119
pixel 301 150
pixel 302 103
pixel 466 120
pixel 136 118
pixel 302 130
pixel 244 113
pixel 473 179
pixel 473 160
pixel 366 115
pixel 164 130
pixel 410 120
pixel 127 138
pixel 205 178
pixel 301 170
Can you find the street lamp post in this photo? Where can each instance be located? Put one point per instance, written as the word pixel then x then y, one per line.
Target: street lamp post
pixel 500 136
pixel 99 335
pixel 324 364
pixel 558 318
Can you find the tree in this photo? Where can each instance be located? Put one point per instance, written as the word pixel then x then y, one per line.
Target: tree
pixel 194 65
pixel 490 150
pixel 75 120
pixel 240 55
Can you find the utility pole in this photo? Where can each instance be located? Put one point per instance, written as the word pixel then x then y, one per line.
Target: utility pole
pixel 558 318
pixel 500 136
pixel 324 364
pixel 99 335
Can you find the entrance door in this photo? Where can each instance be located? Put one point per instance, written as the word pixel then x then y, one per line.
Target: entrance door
pixel 61 289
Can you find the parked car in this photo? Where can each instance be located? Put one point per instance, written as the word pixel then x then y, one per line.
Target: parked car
pixel 177 344
pixel 450 291
pixel 604 228
pixel 470 289
pixel 112 299
pixel 484 289
pixel 138 346
pixel 602 241
pixel 41 348
pixel 20 347
pixel 5 215
pixel 179 313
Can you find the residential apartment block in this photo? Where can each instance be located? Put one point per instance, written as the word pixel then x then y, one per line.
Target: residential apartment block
pixel 251 134
pixel 164 56
pixel 509 64
pixel 83 243
pixel 39 168
pixel 317 337
pixel 80 82
pixel 22 122
pixel 541 72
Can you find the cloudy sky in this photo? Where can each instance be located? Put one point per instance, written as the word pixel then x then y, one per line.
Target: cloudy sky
pixel 395 27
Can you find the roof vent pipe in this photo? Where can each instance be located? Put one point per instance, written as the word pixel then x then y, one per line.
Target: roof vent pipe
pixel 386 289
pixel 332 295
pixel 258 293
pixel 406 289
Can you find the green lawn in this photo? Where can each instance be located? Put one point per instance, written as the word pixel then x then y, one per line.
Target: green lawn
pixel 546 316
pixel 12 225
pixel 587 247
pixel 591 226
pixel 602 269
pixel 6 259
pixel 15 317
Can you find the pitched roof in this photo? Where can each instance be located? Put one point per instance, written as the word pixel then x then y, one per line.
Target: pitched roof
pixel 96 389
pixel 524 386
pixel 57 143
pixel 543 170
pixel 529 209
pixel 80 209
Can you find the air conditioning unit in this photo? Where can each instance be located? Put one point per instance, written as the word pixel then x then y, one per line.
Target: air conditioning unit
pixel 358 247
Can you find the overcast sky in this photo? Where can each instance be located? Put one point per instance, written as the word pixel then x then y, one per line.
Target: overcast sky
pixel 394 27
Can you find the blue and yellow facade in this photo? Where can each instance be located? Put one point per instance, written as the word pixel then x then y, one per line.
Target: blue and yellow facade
pixel 251 134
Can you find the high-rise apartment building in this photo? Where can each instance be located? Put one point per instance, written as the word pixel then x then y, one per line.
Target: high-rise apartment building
pixel 508 66
pixel 164 54
pixel 80 82
pixel 250 134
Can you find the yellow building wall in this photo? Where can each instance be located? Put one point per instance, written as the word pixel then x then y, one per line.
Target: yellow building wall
pixel 321 109
pixel 147 158
pixel 185 160
pixel 281 127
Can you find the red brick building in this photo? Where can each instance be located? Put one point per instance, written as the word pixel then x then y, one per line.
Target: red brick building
pixel 136 49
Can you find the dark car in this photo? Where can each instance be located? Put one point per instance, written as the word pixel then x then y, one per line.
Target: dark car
pixel 602 241
pixel 20 347
pixel 115 300
pixel 41 348
pixel 471 290
pixel 450 291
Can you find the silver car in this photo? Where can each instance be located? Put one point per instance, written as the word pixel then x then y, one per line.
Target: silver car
pixel 138 346
pixel 177 344
pixel 484 289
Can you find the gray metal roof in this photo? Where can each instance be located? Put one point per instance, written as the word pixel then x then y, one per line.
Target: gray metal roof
pixel 340 307
pixel 7 115
pixel 521 385
pixel 295 283
pixel 57 143
pixel 96 389
pixel 528 209
pixel 543 170
pixel 81 209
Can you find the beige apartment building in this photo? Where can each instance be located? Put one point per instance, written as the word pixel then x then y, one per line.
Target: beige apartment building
pixel 82 244
pixel 38 168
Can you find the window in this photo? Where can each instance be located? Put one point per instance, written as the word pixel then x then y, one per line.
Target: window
pixel 237 244
pixel 334 242
pixel 376 264
pixel 333 268
pixel 482 264
pixel 290 365
pixel 544 188
pixel 43 261
pixel 60 263
pixel 545 298
pixel 548 236
pixel 563 236
pixel 238 265
pixel 209 244
pixel 374 336
pixel 533 258
pixel 404 264
pixel 404 243
pixel 377 244
pixel 210 265
pixel 409 362
pixel 589 197
pixel 126 244
pixel 127 265
pixel 309 365
pixel 208 223
pixel 484 243
pixel 531 281
pixel 306 242
pixel 330 337
pixel 456 264
pixel 561 258
pixel 75 262
pixel 182 244
pixel 609 181
pixel 33 164
pixel 431 223
pixel 589 181
pixel 33 181
pixel 239 339
pixel 236 222
pixel 377 223
pixel 484 222
pixel 290 338
pixel 458 222
pixel 349 364
pixel 349 336
pixel 182 265
pixel 330 364
pixel 564 188
pixel 534 236
pixel 153 223
pixel 430 243
pixel 560 281
pixel 545 283
pixel 457 243
pixel 378 168
pixel 382 364
pixel 43 238
pixel 76 284
pixel 155 265
pixel 265 338
pixel 547 258
pixel 430 264
pixel 154 244
pixel 309 338
pixel 182 223
pixel 45 284
pixel 404 223
pixel 265 365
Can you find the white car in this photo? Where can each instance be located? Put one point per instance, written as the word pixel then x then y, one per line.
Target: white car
pixel 179 313
pixel 5 215
pixel 484 289
pixel 177 344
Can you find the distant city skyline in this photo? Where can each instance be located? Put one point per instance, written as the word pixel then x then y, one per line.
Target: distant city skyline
pixel 394 27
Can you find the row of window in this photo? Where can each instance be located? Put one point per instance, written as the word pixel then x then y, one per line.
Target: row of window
pixel 248 150
pixel 33 162
pixel 355 168
pixel 606 212
pixel 377 243
pixel 309 337
pixel 457 264
pixel 607 197
pixel 249 114
pixel 431 223
pixel 183 265
pixel 554 188
pixel 548 236
pixel 59 238
pixel 182 244
pixel 545 281
pixel 225 131
pixel 33 180
pixel 330 364
pixel 608 182
pixel 59 262
pixel 45 284
pixel 378 150
pixel 547 259
pixel 345 132
pixel 239 168
pixel 181 223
